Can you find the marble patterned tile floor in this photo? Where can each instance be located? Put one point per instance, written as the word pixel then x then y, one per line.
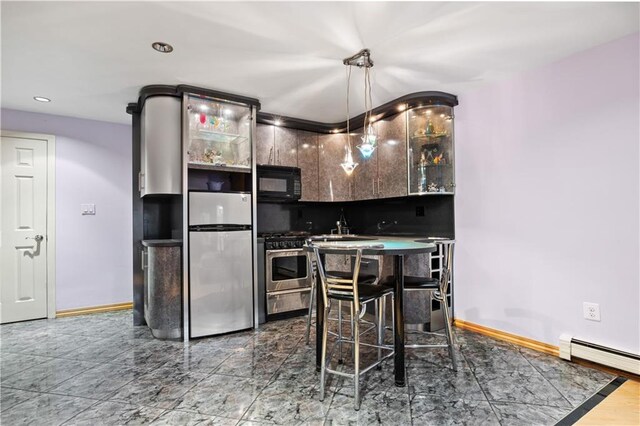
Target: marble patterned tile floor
pixel 101 370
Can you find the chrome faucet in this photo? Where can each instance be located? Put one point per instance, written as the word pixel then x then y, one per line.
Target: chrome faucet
pixel 383 224
pixel 341 225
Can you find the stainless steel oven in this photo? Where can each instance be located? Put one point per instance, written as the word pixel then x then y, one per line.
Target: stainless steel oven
pixel 286 270
pixel 285 279
pixel 288 281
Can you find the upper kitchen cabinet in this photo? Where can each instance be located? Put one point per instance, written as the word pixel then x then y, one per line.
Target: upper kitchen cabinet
pixel 308 163
pixel 265 144
pixel 286 147
pixel 392 157
pixel 384 173
pixel 161 156
pixel 276 146
pixel 218 134
pixel 334 184
pixel 365 176
pixel 430 150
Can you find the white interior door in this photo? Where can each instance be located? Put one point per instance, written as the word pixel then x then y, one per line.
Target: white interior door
pixel 23 229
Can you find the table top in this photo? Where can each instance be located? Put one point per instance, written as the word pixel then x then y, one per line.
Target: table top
pixel 377 247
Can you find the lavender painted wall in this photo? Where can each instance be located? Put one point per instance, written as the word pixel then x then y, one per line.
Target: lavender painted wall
pixel 93 165
pixel 547 199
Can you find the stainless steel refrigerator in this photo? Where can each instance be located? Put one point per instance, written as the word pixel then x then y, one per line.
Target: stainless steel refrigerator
pixel 220 263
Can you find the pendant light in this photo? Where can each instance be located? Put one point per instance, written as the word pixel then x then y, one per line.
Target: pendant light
pixel 370 138
pixel 348 165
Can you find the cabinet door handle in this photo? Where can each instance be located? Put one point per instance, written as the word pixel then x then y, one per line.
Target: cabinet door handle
pixel 143 260
pixel 140 181
pixel 373 186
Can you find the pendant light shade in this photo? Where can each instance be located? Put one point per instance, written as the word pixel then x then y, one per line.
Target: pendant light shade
pixel 369 141
pixel 348 165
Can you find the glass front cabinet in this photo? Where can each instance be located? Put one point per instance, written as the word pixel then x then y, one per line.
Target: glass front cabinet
pixel 430 159
pixel 218 134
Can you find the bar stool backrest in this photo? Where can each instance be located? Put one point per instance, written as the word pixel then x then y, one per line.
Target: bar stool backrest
pixel 338 286
pixel 447 266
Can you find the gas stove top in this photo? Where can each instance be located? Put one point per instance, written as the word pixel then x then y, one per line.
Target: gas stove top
pixel 283 240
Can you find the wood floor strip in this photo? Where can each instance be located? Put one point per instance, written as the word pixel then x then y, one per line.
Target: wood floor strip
pixel 622 407
pixel 94 309
pixel 508 337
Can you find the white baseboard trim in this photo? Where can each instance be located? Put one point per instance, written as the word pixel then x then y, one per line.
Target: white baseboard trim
pixel 574 348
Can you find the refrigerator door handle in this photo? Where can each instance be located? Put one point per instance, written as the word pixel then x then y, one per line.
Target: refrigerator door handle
pixel 219 228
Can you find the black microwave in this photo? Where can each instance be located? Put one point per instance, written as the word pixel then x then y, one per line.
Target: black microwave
pixel 279 183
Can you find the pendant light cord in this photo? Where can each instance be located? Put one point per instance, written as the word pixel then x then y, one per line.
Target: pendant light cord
pixel 348 89
pixel 366 103
pixel 367 77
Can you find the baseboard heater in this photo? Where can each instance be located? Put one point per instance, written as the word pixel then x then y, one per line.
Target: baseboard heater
pixel 574 348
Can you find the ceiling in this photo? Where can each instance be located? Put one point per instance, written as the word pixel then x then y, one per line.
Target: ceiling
pixel 91 59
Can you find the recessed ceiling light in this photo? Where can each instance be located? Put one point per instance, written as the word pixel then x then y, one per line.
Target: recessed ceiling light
pixel 335 130
pixel 41 99
pixel 162 47
pixel 401 107
pixel 277 122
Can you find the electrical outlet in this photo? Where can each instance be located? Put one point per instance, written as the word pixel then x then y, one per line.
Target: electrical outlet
pixel 591 311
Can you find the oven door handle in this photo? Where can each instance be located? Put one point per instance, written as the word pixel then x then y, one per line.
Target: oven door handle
pixel 285 252
pixel 283 292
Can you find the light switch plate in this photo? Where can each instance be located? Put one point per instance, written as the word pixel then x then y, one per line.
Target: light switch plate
pixel 88 209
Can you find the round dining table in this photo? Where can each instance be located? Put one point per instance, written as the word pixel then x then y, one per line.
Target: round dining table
pixel 377 246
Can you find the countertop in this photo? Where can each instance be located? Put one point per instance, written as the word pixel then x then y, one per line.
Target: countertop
pixel 379 245
pixel 162 243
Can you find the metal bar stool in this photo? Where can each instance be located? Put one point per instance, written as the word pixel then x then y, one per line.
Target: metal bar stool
pixel 312 267
pixel 357 294
pixel 438 287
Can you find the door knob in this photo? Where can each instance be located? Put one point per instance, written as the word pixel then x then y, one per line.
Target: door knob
pixel 38 238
